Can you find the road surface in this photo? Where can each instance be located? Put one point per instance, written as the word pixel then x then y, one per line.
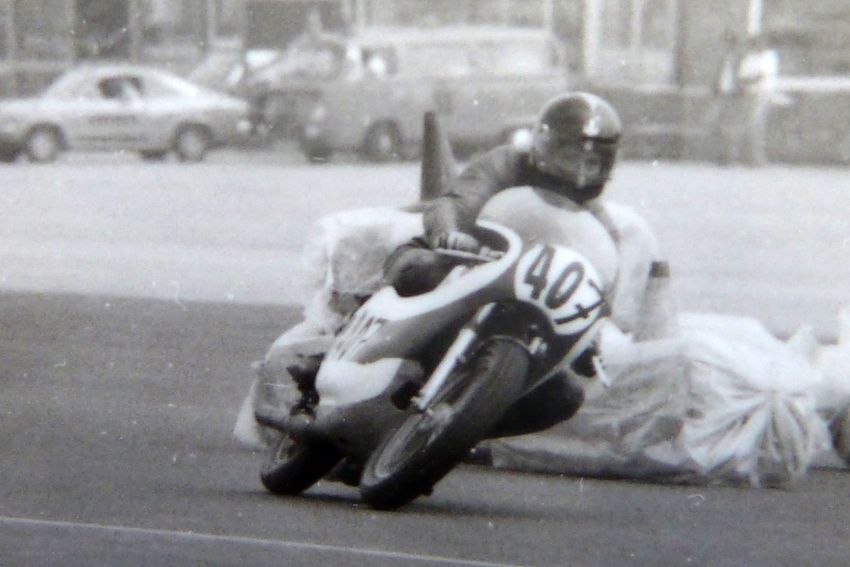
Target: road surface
pixel 135 296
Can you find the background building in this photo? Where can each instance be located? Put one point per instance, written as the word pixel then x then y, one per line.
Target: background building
pixel 656 59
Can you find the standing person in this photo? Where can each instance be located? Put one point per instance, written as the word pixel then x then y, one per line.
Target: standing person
pixel 757 73
pixel 726 123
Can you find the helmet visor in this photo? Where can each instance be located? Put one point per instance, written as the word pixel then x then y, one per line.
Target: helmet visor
pixel 582 163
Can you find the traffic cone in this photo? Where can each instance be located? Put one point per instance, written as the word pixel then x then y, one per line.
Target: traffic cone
pixel 438 161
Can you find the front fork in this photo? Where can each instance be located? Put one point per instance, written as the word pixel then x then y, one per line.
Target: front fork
pixel 465 338
pixel 457 353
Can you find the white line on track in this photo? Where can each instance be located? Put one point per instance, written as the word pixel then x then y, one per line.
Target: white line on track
pixel 273 543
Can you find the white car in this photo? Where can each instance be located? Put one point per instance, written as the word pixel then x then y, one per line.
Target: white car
pixel 122 107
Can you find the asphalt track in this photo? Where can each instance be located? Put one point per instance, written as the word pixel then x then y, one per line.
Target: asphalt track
pixel 116 413
pixel 115 436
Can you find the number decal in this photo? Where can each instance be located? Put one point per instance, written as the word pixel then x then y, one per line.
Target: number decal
pixel 557 295
pixel 536 275
pixel 563 284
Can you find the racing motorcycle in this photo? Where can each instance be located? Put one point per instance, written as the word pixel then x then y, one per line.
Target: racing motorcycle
pixel 412 384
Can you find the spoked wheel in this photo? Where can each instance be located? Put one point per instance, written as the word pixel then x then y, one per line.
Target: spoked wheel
pixel 293 466
pixel 427 445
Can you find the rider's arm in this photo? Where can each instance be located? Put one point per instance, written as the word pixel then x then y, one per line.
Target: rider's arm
pixel 458 209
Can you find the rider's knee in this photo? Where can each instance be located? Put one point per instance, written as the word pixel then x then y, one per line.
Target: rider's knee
pixel 413 269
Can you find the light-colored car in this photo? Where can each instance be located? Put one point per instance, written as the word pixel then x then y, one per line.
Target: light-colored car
pixel 486 83
pixel 121 107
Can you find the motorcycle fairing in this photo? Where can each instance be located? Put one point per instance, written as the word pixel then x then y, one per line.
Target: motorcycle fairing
pixel 389 325
pixel 557 281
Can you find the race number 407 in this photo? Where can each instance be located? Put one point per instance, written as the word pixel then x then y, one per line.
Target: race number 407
pixel 563 284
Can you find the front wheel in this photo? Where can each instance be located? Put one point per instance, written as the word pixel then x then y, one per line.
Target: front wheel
pixel 43 145
pixel 427 445
pixel 192 143
pixel 292 466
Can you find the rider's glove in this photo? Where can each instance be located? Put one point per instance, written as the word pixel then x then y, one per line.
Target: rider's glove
pixel 454 240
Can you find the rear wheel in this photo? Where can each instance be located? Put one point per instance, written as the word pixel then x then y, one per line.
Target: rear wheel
pixel 317 153
pixel 8 154
pixel 382 143
pixel 43 145
pixel 293 466
pixel 414 457
pixel 192 143
pixel 277 113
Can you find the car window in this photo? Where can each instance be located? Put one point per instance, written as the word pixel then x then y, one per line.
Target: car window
pixel 69 85
pixel 514 58
pixel 162 85
pixel 159 88
pixel 120 87
pixel 438 59
pixel 316 59
pixel 379 61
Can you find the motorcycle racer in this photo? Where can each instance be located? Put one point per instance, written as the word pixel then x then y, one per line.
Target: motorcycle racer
pixel 570 159
pixel 572 153
pixel 566 167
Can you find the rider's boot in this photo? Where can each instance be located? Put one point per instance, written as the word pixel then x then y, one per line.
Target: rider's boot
pixel 304 373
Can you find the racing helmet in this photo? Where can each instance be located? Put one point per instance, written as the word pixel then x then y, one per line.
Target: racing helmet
pixel 575 141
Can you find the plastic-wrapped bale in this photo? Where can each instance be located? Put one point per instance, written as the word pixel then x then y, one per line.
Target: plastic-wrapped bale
pixel 344 259
pixel 833 395
pixel 752 412
pixel 723 402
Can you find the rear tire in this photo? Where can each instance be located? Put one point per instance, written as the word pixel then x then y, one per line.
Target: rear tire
pixel 382 143
pixel 192 143
pixel 293 466
pixel 8 154
pixel 317 154
pixel 427 445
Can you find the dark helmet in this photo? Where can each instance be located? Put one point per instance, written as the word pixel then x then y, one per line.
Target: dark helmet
pixel 575 141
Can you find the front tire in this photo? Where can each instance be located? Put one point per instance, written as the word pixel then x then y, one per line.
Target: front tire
pixel 292 466
pixel 427 445
pixel 43 145
pixel 192 143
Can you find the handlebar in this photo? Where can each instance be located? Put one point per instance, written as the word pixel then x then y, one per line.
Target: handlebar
pixel 482 256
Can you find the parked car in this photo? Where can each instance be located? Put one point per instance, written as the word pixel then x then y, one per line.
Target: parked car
pixel 805 124
pixel 282 89
pixel 484 82
pixel 230 68
pixel 121 107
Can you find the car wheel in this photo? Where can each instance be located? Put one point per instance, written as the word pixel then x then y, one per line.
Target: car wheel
pixel 317 154
pixel 8 155
pixel 43 145
pixel 276 110
pixel 153 155
pixel 382 143
pixel 192 143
